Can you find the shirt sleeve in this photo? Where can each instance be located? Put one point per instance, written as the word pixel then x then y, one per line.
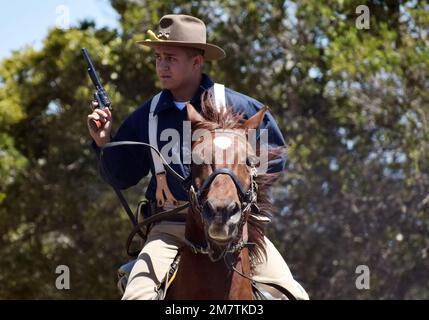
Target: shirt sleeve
pixel 124 166
pixel 275 139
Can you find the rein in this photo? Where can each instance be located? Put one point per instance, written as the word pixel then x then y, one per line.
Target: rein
pixel 248 202
pixel 129 143
pixel 138 227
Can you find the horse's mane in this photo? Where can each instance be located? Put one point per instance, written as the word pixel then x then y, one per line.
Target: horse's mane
pixel 231 120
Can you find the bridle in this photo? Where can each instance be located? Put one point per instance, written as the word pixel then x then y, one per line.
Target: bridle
pixel 247 198
pixel 248 201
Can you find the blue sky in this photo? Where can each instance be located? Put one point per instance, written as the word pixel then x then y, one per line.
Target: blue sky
pixel 26 22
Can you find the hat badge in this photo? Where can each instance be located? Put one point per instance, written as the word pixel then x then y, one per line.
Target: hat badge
pixel 163 34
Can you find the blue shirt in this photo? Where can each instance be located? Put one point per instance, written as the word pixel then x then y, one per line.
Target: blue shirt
pixel 129 164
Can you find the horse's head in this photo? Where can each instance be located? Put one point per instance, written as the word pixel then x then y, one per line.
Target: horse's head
pixel 222 175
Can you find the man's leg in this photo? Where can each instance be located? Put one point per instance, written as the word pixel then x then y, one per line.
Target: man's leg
pixel 275 270
pixel 154 260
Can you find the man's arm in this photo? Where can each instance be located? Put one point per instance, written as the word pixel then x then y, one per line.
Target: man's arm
pixel 250 106
pixel 126 165
pixel 275 140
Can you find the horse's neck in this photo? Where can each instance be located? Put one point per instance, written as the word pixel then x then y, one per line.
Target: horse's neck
pixel 200 278
pixel 194 232
pixel 241 288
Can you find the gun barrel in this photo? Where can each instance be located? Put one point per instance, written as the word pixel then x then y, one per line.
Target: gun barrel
pixel 91 69
pixel 100 94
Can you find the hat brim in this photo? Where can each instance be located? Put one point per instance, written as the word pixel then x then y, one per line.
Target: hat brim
pixel 211 52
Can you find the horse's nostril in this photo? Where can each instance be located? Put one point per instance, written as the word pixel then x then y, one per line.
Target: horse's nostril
pixel 232 208
pixel 211 207
pixel 216 209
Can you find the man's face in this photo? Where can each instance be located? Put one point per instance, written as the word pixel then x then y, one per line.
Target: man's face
pixel 174 67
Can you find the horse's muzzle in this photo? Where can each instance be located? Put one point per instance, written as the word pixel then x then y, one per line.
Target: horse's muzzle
pixel 221 221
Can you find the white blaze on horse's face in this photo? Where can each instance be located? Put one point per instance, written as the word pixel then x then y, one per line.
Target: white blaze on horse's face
pixel 229 147
pixel 222 142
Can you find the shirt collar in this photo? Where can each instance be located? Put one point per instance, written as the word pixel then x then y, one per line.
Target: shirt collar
pixel 166 101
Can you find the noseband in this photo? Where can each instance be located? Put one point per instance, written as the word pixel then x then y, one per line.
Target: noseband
pixel 246 197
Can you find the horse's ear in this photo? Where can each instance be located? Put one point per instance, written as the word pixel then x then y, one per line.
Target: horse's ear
pixel 193 115
pixel 256 120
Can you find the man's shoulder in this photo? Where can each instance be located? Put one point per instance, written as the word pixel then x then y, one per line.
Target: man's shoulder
pixel 241 102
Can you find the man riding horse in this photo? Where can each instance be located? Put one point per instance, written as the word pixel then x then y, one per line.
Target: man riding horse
pixel 180 49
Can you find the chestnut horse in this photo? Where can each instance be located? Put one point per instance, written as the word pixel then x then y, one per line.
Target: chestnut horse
pixel 223 231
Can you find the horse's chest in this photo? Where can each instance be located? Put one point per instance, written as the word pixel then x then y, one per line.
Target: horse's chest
pixel 199 278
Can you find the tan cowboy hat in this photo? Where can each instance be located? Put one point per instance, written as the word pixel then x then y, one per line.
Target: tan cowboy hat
pixel 183 31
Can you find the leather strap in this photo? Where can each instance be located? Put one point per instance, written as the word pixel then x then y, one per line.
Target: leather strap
pixel 285 291
pixel 219 96
pixel 153 132
pixel 177 213
pixel 163 194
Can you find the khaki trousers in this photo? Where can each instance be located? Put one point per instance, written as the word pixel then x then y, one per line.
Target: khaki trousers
pixel 161 247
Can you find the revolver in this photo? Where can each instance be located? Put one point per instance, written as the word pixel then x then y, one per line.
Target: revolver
pixel 100 94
